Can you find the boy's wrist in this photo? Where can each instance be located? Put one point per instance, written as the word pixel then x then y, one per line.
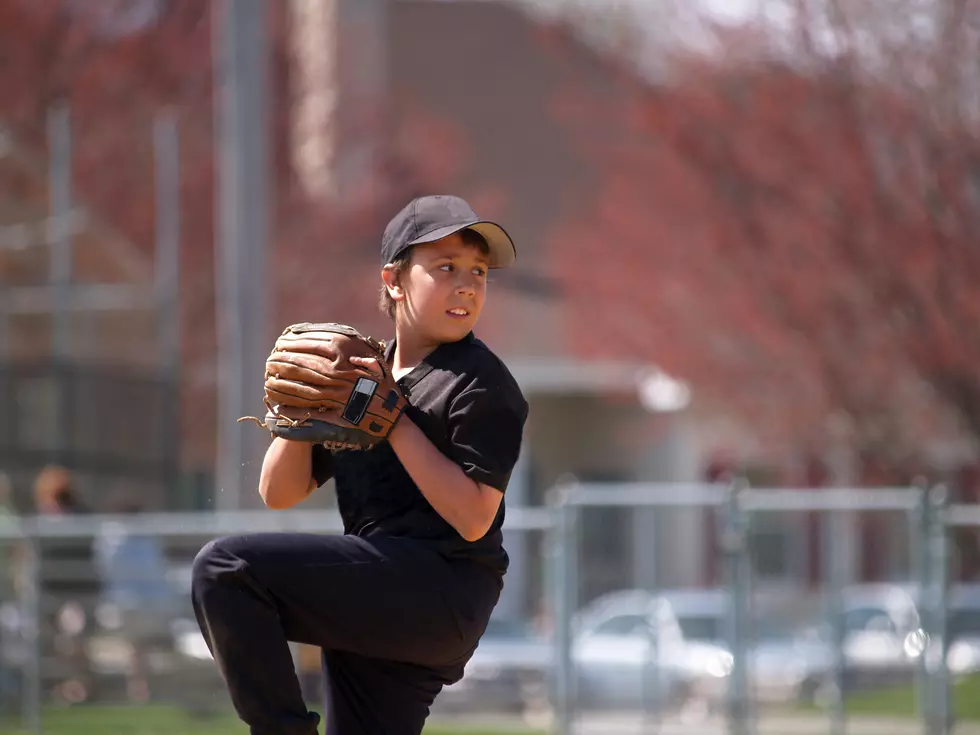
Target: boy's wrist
pixel 398 430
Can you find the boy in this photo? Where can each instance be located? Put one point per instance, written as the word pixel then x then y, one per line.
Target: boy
pixel 399 602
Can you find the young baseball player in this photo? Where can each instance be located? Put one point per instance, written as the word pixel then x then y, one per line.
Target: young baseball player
pixel 399 602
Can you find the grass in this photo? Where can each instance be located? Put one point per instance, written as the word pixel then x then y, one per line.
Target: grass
pixel 901 701
pixel 162 720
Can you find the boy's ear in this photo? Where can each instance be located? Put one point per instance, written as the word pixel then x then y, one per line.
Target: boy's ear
pixel 389 274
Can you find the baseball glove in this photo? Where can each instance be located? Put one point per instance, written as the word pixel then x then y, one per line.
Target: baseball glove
pixel 313 392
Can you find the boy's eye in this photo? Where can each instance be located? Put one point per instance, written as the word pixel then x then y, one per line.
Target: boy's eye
pixel 449 267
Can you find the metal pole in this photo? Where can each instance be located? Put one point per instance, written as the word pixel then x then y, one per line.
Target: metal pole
pixel 566 586
pixel 31 618
pixel 837 525
pixel 242 202
pixel 736 550
pixel 513 601
pixel 60 263
pixel 652 695
pixel 937 647
pixel 919 562
pixel 166 144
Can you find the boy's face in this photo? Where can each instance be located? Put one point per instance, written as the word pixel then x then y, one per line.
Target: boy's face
pixel 443 289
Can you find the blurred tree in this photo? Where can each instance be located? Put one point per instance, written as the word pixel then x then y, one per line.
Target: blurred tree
pixel 118 63
pixel 795 213
pixel 116 66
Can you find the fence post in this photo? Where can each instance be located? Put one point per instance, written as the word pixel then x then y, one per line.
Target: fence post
pixel 565 588
pixel 919 533
pixel 31 628
pixel 651 680
pixel 937 645
pixel 735 549
pixel 835 526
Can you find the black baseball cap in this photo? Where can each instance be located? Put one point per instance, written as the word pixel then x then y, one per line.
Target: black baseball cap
pixel 431 218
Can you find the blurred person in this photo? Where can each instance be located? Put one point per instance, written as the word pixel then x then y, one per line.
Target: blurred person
pixel 67 565
pixel 55 493
pixel 68 582
pixel 138 599
pixel 399 603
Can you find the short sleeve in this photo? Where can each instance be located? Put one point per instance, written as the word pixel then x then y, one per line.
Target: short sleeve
pixel 322 464
pixel 486 427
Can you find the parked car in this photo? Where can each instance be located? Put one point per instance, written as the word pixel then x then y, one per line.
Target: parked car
pixel 784 661
pixel 882 640
pixel 630 651
pixel 963 629
pixel 883 635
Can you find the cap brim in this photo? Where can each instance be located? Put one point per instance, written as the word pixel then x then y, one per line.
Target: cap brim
pixel 503 252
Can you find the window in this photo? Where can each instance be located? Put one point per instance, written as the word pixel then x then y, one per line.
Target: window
pixel 868 619
pixel 963 622
pixel 38 399
pixel 702 627
pixel 777 545
pixel 623 625
pixel 606 548
pixel 504 628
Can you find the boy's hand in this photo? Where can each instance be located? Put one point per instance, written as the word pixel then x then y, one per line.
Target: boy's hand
pixel 370 364
pixel 381 371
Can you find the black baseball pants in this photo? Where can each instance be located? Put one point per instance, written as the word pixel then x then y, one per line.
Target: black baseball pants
pixel 396 622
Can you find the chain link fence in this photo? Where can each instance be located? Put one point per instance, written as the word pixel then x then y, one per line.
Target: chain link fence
pixel 96 610
pixel 62 412
pixel 755 649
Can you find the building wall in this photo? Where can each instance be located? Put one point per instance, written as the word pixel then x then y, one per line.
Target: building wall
pixel 499 135
pixel 603 438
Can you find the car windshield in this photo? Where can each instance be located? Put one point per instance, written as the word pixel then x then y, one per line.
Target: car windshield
pixel 624 625
pixel 713 628
pixel 870 618
pixel 780 630
pixel 964 622
pixel 501 628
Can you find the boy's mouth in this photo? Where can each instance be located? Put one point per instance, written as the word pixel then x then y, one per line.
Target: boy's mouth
pixel 458 312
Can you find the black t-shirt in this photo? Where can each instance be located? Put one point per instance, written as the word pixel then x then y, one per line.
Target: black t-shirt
pixel 470 407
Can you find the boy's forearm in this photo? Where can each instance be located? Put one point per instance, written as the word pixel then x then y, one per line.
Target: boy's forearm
pixel 287 476
pixel 466 505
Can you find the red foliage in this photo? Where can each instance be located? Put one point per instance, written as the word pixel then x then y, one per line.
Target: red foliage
pixel 322 252
pixel 114 85
pixel 796 243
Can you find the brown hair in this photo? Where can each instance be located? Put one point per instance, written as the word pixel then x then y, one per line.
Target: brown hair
pixel 53 486
pixel 386 304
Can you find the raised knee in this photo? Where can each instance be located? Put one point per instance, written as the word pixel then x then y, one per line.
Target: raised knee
pixel 212 562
